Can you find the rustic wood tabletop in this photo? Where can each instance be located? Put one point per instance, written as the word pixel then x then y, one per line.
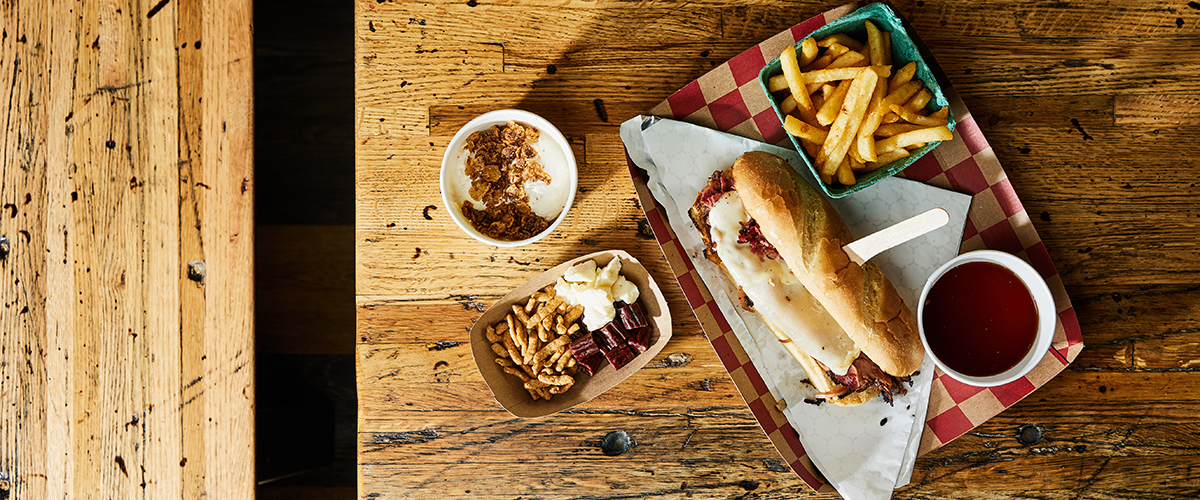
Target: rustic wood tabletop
pixel 126 250
pixel 1091 107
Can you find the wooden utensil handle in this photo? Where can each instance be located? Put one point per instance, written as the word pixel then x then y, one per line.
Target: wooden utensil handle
pixel 863 249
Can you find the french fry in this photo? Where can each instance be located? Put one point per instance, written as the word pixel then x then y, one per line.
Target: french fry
pixel 829 75
pixel 943 113
pixel 819 63
pixel 845 127
pixel 887 48
pixel 836 50
pixel 857 166
pixel 875 42
pixel 890 117
pixel 941 133
pixel 788 104
pixel 915 119
pixel 864 146
pixel 812 148
pixel 848 60
pixel 491 335
pixel 504 361
pixel 877 113
pixel 844 175
pixel 918 101
pixel 885 159
pixel 805 131
pixel 829 110
pixel 795 79
pixel 902 76
pixel 808 51
pixel 890 129
pixel 840 38
pixel 852 153
pixel 529 305
pixel 777 83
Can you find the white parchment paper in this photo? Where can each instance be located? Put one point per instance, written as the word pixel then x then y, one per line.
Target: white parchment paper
pixel 864 451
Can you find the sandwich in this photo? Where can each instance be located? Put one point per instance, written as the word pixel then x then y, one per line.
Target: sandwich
pixel 781 243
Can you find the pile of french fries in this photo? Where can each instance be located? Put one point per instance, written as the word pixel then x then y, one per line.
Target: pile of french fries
pixel 850 112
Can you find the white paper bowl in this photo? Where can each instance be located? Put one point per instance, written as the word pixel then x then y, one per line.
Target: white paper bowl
pixel 549 134
pixel 1042 299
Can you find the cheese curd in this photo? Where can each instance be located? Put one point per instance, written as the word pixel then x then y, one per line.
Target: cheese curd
pixel 596 291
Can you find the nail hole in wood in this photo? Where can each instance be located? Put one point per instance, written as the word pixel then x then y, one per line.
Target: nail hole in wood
pixel 196 271
pixel 1029 434
pixel 616 443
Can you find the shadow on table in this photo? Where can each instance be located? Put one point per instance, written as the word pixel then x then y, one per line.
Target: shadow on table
pixel 304 249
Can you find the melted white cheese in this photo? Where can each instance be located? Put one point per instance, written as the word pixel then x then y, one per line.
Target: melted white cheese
pixel 777 293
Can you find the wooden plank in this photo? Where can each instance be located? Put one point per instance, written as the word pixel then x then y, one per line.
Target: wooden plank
pixel 26 432
pixel 1161 110
pixel 380 26
pixel 97 296
pixel 1101 65
pixel 1139 327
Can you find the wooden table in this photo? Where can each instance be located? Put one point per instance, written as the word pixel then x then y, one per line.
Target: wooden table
pixel 126 240
pixel 1092 109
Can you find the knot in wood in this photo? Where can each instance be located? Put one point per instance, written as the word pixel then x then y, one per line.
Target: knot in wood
pixel 1029 434
pixel 196 271
pixel 616 443
pixel 4 248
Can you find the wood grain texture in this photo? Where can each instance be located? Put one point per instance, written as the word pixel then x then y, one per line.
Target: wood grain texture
pixel 127 156
pixel 1089 106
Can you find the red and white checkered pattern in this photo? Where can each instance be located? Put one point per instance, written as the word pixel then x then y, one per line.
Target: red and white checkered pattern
pixel 729 99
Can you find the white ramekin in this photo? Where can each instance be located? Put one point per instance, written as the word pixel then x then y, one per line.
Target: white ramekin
pixel 483 122
pixel 1042 299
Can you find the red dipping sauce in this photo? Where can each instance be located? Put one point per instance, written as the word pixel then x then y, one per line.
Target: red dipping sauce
pixel 980 319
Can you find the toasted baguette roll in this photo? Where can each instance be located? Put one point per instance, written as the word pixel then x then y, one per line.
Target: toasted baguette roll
pixel 809 236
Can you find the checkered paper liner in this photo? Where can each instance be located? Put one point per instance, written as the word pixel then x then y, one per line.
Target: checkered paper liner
pixel 729 99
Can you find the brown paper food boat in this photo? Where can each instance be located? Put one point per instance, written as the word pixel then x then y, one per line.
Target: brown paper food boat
pixel 509 391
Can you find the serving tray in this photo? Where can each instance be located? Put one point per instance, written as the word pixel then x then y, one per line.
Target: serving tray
pixel 729 99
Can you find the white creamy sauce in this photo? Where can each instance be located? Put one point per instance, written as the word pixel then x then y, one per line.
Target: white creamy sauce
pixel 776 292
pixel 546 200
